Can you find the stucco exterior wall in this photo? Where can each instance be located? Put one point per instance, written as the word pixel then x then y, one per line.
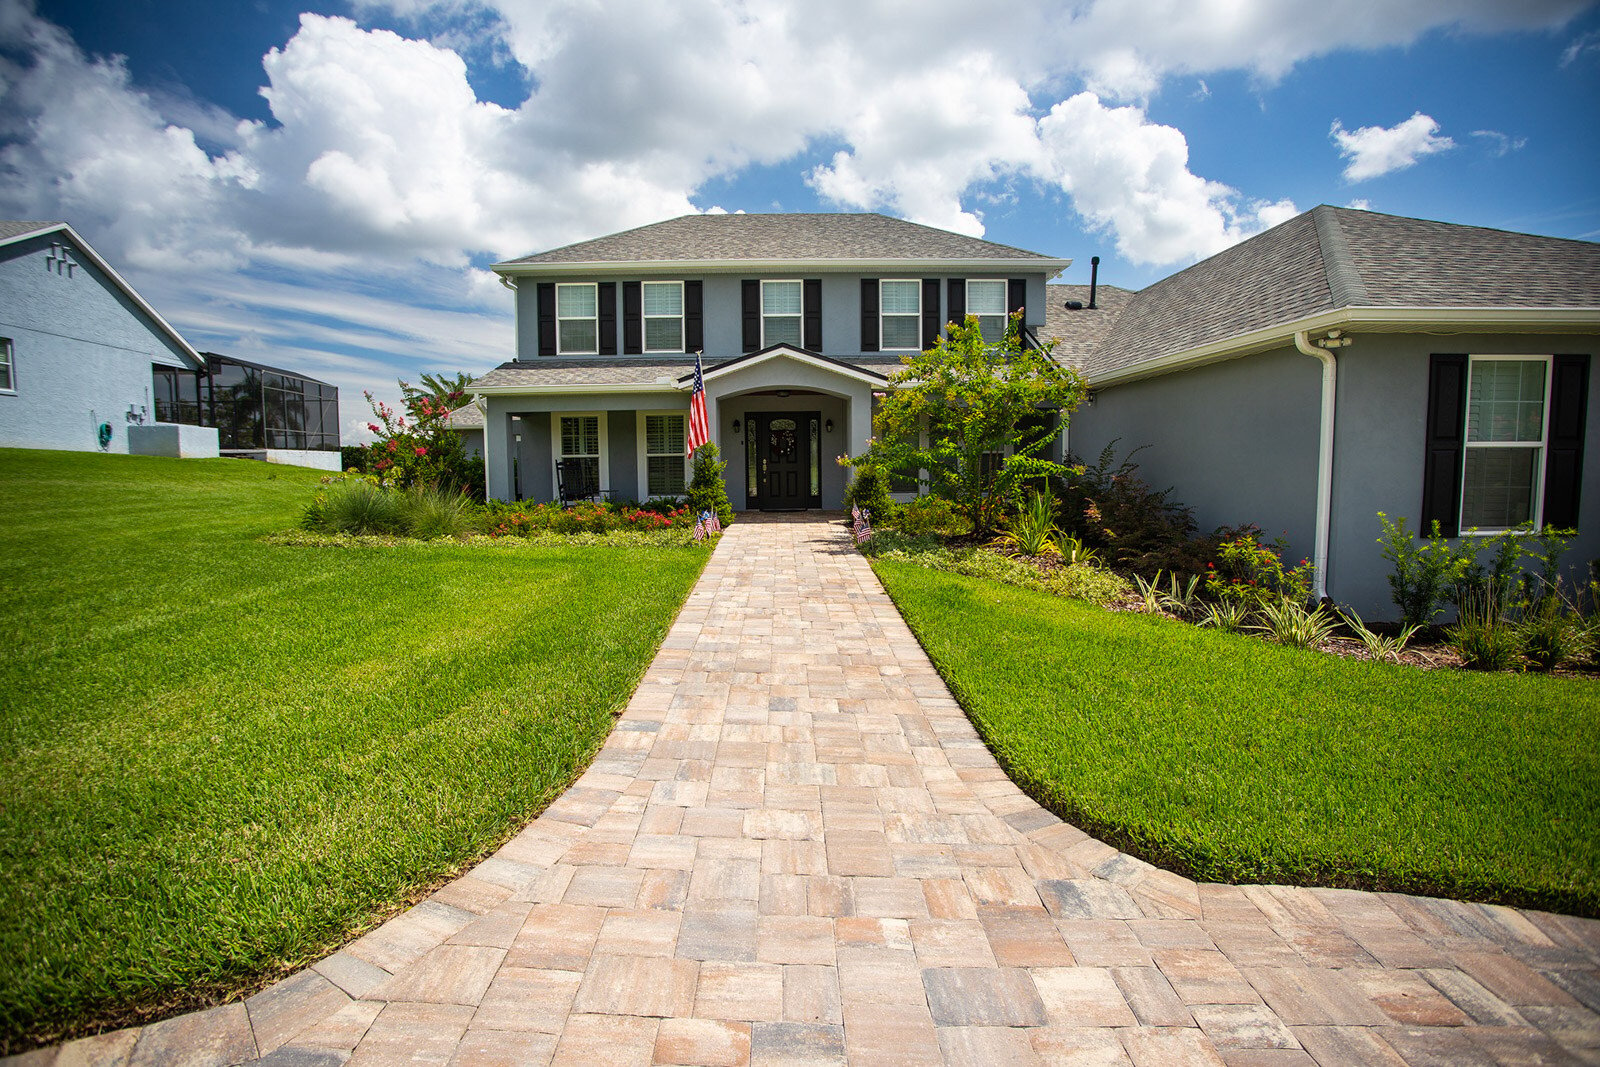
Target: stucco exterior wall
pixel 81 352
pixel 177 441
pixel 1378 451
pixel 1237 441
pixel 724 315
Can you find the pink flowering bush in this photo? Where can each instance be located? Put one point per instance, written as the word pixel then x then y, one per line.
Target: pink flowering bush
pixel 421 450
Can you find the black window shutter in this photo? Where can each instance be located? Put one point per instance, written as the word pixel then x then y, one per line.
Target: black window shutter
pixel 869 314
pixel 1446 437
pixel 547 318
pixel 632 318
pixel 1017 296
pixel 811 332
pixel 694 331
pixel 956 298
pixel 752 315
pixel 930 312
pixel 1569 411
pixel 608 318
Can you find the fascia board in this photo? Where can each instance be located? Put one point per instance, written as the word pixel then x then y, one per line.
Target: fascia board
pixel 1357 319
pixel 1050 267
pixel 841 369
pixel 120 282
pixel 666 386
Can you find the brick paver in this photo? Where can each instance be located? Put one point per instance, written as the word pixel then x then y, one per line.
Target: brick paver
pixel 795 849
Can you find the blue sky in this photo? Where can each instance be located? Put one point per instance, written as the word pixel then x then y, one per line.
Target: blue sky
pixel 324 187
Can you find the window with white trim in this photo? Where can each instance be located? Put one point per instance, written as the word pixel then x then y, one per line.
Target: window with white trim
pixel 663 316
pixel 900 311
pixel 577 319
pixel 8 376
pixel 580 440
pixel 664 459
pixel 986 298
pixel 1502 477
pixel 781 304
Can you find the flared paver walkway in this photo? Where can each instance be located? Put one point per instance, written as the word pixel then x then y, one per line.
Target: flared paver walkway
pixel 794 849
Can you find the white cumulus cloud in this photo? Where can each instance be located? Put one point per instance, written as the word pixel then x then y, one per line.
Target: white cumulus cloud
pixel 1374 151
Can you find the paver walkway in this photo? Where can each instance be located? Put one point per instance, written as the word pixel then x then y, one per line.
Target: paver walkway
pixel 794 849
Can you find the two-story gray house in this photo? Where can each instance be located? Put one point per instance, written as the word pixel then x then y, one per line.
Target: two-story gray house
pixel 800 319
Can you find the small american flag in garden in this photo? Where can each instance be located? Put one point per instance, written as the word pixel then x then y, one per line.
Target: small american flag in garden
pixel 861 525
pixel 713 524
pixel 700 527
pixel 699 421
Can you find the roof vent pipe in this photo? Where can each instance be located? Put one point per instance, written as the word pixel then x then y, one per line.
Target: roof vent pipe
pixel 1094 278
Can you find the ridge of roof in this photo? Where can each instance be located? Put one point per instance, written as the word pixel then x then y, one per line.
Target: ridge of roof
pixel 1344 277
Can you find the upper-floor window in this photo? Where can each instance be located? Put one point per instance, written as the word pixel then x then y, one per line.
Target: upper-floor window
pixel 987 300
pixel 781 305
pixel 1503 463
pixel 8 377
pixel 900 308
pixel 663 316
pixel 577 319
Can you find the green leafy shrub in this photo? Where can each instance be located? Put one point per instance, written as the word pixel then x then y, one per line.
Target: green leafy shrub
pixel 890 539
pixel 1550 633
pixel 1083 581
pixel 1116 512
pixel 869 491
pixel 1381 647
pixel 934 516
pixel 355 507
pixel 1547 548
pixel 708 491
pixel 1246 569
pixel 1424 574
pixel 1032 530
pixel 1229 616
pixel 1073 550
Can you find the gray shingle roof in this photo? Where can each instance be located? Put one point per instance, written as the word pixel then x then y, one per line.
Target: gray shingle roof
pixel 786 236
pixel 10 228
pixel 1330 258
pixel 1078 334
pixel 596 371
pixel 466 417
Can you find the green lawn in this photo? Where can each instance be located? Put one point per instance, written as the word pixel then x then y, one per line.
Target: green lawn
pixel 1231 759
pixel 220 757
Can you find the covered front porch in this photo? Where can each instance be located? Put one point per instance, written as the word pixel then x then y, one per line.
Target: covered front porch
pixel 781 418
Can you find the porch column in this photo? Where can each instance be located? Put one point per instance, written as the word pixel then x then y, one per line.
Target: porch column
pixel 497 446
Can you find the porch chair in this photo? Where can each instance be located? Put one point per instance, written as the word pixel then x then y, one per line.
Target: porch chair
pixel 576 480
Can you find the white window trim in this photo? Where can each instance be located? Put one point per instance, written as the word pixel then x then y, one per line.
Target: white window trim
pixel 555 446
pixel 1005 314
pixel 644 454
pixel 9 348
pixel 595 318
pixel 801 317
pixel 644 320
pixel 1536 505
pixel 917 282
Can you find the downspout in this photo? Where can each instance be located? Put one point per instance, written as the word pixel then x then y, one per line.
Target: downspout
pixel 1320 351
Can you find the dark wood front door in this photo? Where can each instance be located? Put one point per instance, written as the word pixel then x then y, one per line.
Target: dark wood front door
pixel 785 446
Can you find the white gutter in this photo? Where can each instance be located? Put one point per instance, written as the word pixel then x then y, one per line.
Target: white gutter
pixel 666 385
pixel 1051 267
pixel 1320 351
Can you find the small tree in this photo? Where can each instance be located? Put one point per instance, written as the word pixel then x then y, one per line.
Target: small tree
pixel 707 489
pixel 436 389
pixel 420 451
pixel 974 399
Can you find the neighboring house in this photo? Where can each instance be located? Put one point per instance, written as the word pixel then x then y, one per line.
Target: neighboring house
pixel 1345 363
pixel 78 347
pixel 86 363
pixel 800 318
pixel 467 421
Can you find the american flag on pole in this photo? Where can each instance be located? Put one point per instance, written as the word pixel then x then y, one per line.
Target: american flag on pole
pixel 699 421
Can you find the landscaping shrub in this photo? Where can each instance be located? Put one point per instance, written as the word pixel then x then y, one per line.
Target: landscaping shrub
pixel 1084 581
pixel 891 539
pixel 1550 634
pixel 1116 512
pixel 1229 616
pixel 355 507
pixel 423 450
pixel 1380 647
pixel 932 515
pixel 1032 530
pixel 1073 550
pixel 707 489
pixel 1424 574
pixel 869 491
pixel 1288 622
pixel 1484 638
pixel 1246 569
pixel 428 512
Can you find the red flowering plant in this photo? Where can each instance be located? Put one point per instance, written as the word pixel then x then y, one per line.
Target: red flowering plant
pixel 1248 571
pixel 421 450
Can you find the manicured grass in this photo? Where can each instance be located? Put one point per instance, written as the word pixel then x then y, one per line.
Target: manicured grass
pixel 1232 759
pixel 220 757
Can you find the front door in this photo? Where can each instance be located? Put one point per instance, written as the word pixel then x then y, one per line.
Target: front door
pixel 785 447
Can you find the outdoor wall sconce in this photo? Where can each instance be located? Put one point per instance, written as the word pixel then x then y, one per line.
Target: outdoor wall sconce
pixel 828 426
pixel 736 427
